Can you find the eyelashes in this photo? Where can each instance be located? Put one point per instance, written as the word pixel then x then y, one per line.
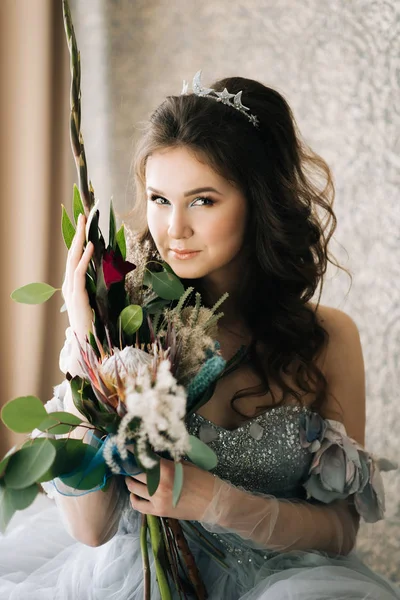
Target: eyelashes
pixel 164 202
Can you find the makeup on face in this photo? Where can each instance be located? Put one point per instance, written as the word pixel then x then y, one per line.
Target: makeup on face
pixel 196 217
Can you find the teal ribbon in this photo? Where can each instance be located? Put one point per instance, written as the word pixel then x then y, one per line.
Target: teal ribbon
pixel 127 467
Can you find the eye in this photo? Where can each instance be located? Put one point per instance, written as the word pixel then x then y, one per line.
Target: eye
pixel 158 200
pixel 200 201
pixel 204 200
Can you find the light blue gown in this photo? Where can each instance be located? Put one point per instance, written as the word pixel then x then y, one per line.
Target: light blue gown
pixel 39 560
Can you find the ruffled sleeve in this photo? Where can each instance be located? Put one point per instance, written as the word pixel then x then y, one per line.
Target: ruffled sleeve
pixel 341 467
pixel 70 355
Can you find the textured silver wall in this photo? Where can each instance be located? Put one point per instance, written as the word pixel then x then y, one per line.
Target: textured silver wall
pixel 337 63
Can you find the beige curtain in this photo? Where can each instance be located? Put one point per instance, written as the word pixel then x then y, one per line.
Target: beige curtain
pixel 36 175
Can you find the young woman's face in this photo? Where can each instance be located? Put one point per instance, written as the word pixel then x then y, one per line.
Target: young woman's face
pixel 196 217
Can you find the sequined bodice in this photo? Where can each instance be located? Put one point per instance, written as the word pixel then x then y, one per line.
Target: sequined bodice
pixel 263 455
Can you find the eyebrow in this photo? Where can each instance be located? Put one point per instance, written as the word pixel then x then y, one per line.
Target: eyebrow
pixel 189 192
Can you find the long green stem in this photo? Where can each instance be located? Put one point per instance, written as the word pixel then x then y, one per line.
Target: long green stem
pixel 77 144
pixel 145 555
pixel 156 545
pixel 78 149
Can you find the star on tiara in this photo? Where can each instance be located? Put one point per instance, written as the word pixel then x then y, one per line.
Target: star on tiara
pixel 225 97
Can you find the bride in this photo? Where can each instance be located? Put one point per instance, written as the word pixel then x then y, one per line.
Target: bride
pixel 231 198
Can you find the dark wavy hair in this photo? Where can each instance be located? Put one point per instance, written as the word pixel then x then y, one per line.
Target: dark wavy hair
pixel 290 192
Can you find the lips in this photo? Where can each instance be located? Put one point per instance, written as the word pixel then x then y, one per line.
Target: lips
pixel 181 251
pixel 184 254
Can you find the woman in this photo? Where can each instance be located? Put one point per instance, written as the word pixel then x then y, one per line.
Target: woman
pixel 232 200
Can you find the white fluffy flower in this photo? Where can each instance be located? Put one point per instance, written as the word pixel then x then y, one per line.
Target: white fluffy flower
pixel 161 407
pixel 108 454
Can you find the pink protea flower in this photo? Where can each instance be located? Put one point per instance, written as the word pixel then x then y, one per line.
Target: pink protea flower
pixel 107 374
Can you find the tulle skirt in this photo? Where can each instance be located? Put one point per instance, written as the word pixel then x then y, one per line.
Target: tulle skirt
pixel 40 561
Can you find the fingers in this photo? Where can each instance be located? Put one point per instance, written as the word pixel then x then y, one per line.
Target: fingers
pixel 80 271
pixel 137 488
pixel 139 477
pixel 142 506
pixel 75 252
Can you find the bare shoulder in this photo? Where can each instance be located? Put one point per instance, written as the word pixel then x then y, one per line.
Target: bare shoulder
pixel 333 319
pixel 343 366
pixel 341 329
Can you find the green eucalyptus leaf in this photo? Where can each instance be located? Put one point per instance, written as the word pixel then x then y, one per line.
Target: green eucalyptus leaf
pixel 178 483
pixel 89 480
pixel 70 454
pixel 5 459
pixel 201 455
pixel 67 228
pixel 112 232
pixel 120 239
pixel 3 465
pixel 21 499
pixel 59 422
pixel 65 417
pixel 77 204
pixel 23 414
pixel 167 285
pixel 153 478
pixel 131 318
pixel 33 293
pixel 27 465
pixel 7 508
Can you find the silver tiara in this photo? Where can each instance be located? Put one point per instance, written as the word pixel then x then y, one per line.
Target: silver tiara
pixel 224 97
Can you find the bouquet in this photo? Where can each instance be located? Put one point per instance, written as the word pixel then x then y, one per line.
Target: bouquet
pixel 150 361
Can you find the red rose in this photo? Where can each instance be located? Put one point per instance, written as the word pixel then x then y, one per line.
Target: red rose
pixel 115 267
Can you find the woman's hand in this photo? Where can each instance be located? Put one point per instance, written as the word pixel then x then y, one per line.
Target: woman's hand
pixel 197 492
pixel 74 286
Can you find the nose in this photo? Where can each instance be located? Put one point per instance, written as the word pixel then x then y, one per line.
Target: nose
pixel 179 226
